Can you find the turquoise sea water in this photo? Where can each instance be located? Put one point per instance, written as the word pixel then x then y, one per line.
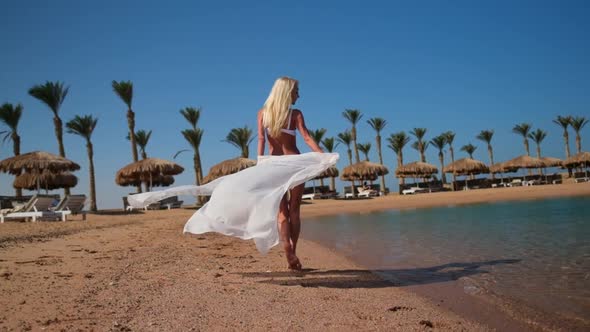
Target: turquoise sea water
pixel 533 254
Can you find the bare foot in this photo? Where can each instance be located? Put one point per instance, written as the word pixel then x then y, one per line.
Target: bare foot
pixel 293 261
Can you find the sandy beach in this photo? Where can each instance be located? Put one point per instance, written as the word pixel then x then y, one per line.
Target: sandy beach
pixel 124 272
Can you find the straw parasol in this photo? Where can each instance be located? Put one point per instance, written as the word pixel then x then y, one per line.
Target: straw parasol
pixel 581 159
pixel 149 169
pixel 331 172
pixel 416 169
pixel 46 180
pixel 37 162
pixel 552 162
pixel 157 181
pixel 364 170
pixel 502 168
pixel 525 161
pixel 466 166
pixel 228 167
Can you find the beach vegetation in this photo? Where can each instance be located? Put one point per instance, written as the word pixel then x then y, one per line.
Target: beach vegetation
pixel 439 143
pixel 353 116
pixel 10 115
pixel 84 126
pixel 577 124
pixel 241 139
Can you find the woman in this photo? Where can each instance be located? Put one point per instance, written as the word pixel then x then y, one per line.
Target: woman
pixel 247 204
pixel 277 122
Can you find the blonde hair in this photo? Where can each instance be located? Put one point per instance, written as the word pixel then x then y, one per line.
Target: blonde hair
pixel 276 107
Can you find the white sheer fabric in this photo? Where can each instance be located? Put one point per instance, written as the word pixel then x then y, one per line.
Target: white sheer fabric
pixel 246 204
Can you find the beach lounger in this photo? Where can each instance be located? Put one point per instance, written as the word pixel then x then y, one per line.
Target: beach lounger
pixel 36 208
pixel 413 190
pixel 311 196
pixel 170 203
pixel 366 192
pixel 578 180
pixel 71 205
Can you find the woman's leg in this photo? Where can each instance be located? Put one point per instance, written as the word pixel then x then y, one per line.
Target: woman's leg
pixel 295 215
pixel 285 234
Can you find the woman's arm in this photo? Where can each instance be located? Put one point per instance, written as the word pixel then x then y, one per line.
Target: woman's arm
pixel 305 134
pixel 261 133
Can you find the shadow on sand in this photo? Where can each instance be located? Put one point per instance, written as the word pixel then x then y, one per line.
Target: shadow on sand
pixel 377 278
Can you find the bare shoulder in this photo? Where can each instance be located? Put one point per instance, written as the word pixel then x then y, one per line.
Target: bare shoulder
pixel 260 111
pixel 297 113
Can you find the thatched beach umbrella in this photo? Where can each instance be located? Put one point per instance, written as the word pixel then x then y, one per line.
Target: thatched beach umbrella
pixel 46 180
pixel 501 168
pixel 331 173
pixel 228 167
pixel 581 159
pixel 466 166
pixel 363 171
pixel 149 169
pixel 157 181
pixel 552 162
pixel 525 161
pixel 416 169
pixel 37 162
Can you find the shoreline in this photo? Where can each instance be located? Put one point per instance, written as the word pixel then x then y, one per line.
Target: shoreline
pixel 318 208
pixel 139 271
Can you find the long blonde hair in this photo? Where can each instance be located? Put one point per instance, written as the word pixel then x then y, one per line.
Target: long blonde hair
pixel 276 107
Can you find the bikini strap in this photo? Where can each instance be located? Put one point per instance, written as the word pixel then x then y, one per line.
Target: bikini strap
pixel 289 121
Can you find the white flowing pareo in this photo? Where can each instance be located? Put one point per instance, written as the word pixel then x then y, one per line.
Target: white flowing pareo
pixel 246 204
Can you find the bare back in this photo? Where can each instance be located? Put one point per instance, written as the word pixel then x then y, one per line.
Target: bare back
pixel 285 143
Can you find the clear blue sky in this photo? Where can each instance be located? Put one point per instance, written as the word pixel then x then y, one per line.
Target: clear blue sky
pixel 462 66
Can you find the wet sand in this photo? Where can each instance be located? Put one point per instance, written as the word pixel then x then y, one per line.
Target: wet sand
pixel 123 272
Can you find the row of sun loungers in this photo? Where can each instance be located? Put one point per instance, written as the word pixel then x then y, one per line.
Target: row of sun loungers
pixel 41 207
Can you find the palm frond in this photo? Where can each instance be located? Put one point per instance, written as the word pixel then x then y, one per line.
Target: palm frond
pixel 439 142
pixel 469 148
pixel 124 89
pixel 563 121
pixel 192 115
pixel 522 129
pixel 82 126
pixel 485 136
pixel 419 133
pixel 538 136
pixel 345 138
pixel 352 115
pixel 398 141
pixel 378 124
pixel 578 123
pixel 329 145
pixel 51 94
pixel 318 134
pixel 10 115
pixel 241 139
pixel 193 137
pixel 450 137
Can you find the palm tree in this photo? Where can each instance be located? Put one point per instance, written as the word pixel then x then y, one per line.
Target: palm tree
pixel 450 137
pixel 486 136
pixel 193 137
pixel 378 124
pixel 241 139
pixel 53 94
pixel 10 115
pixel 420 144
pixel 397 142
pixel 142 139
pixel 523 129
pixel 365 148
pixel 83 126
pixel 564 122
pixel 353 116
pixel 318 134
pixel 538 136
pixel 346 139
pixel 577 124
pixel 439 142
pixel 470 149
pixel 124 89
pixel 329 145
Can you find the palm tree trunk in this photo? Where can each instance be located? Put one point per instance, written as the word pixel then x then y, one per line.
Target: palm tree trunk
pixel 539 156
pixel 566 140
pixel 90 150
pixel 198 174
pixel 381 162
pixel 442 166
pixel 356 150
pixel 332 184
pixel 143 155
pixel 131 125
pixel 245 152
pixel 60 142
pixel 349 156
pixel 16 150
pixel 491 153
pixel 400 162
pixel 452 161
pixel 526 148
pixel 322 182
pixel 578 142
